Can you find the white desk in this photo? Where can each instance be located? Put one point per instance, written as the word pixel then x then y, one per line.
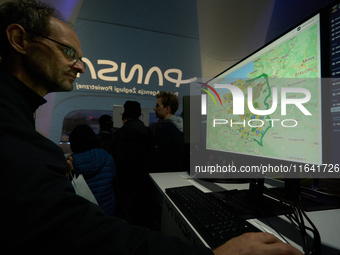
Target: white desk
pixel 174 222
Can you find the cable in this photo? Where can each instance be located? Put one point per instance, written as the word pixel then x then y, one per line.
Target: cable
pixel 301 224
pixel 296 214
pixel 316 249
pixel 286 209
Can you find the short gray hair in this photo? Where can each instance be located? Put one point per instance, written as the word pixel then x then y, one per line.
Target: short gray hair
pixel 32 15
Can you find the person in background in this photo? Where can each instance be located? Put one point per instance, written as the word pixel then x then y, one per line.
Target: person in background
pixel 137 197
pixel 95 164
pixel 40 211
pixel 105 135
pixel 169 135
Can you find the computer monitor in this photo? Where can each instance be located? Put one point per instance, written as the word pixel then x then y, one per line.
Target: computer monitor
pixel 289 123
pixel 270 111
pixel 267 109
pixel 264 115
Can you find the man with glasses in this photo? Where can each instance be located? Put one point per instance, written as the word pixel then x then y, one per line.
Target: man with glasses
pixel 40 212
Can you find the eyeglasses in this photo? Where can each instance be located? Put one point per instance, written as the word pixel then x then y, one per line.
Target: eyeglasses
pixel 70 52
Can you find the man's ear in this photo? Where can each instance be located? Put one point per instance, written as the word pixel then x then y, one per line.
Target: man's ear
pixel 17 38
pixel 168 109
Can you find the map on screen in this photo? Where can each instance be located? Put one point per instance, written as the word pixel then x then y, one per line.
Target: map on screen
pixel 293 62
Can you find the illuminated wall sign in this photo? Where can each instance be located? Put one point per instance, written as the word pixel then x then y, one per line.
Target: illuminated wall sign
pixel 111 71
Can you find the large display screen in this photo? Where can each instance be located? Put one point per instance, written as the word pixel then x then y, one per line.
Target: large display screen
pixel 269 104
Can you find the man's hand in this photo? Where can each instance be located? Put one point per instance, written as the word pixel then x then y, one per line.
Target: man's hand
pixel 256 244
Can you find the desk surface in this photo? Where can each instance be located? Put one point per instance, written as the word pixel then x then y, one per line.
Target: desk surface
pixel 327 221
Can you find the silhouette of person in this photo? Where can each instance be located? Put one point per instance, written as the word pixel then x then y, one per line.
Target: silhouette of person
pixel 95 164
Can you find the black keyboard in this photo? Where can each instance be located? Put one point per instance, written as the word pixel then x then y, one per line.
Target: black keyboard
pixel 213 220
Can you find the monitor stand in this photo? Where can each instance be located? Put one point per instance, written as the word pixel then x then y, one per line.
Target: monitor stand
pixel 250 203
pixel 258 201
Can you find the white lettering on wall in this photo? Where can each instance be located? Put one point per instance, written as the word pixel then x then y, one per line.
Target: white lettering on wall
pixel 101 72
pixel 131 74
pixel 172 75
pixel 158 71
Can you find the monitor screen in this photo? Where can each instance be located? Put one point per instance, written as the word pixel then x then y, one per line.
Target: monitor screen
pixel 269 104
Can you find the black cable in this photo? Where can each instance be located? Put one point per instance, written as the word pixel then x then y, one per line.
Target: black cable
pixel 302 226
pixel 296 214
pixel 316 249
pixel 288 212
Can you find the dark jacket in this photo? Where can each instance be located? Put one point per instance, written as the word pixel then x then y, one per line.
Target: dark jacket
pixel 137 197
pixel 170 145
pixel 99 170
pixel 133 151
pixel 40 212
pixel 105 139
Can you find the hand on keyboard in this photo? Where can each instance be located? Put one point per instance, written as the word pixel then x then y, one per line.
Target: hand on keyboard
pixel 256 244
